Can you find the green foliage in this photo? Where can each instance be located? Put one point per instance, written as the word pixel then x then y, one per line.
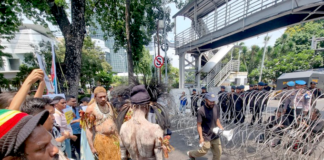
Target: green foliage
pixel 144 65
pixel 92 59
pixel 290 53
pixel 9 24
pixel 4 83
pixel 104 78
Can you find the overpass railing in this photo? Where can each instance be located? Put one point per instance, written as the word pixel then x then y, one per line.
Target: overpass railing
pixel 226 15
pixel 231 66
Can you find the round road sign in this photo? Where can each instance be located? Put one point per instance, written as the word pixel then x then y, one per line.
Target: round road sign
pixel 158 61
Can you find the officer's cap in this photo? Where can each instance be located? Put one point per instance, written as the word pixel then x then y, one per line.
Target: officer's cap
pixel 261 84
pixel 211 97
pixel 251 85
pixel 242 87
pixel 233 87
pixel 291 83
pixel 222 87
pixel 300 82
pixel 203 87
pixel 194 90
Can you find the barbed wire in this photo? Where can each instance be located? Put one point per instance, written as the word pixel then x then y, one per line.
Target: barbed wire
pixel 259 132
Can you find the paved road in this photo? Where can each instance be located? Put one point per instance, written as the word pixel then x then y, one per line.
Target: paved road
pixel 181 148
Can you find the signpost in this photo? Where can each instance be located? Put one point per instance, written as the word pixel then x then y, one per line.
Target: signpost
pixel 158 61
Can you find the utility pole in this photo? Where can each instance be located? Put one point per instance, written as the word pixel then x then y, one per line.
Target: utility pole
pixel 158 43
pixel 165 44
pixel 266 39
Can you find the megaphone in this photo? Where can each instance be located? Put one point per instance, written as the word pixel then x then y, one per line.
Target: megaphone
pixel 228 134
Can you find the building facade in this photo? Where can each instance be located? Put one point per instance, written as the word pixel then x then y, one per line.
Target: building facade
pixel 26 41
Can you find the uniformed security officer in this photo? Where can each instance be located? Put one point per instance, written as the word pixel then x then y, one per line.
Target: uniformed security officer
pixel 230 103
pixel 299 101
pixel 316 91
pixel 287 110
pixel 258 101
pixel 194 100
pixel 237 99
pixel 223 103
pixel 202 95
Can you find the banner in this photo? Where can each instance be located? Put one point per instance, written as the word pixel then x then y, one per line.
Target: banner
pixel 49 85
pixel 53 70
pixel 68 114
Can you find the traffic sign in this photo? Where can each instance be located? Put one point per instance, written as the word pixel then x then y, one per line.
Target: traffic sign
pixel 158 61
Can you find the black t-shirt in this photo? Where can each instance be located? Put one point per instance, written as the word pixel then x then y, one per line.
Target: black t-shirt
pixel 208 117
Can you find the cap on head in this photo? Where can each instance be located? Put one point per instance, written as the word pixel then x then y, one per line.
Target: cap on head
pixel 280 110
pixel 15 128
pixel 99 89
pixel 313 83
pixel 233 87
pixel 261 84
pixel 203 88
pixel 139 95
pixel 291 84
pixel 242 87
pixel 222 87
pixel 194 90
pixel 300 82
pixel 211 97
pixel 251 85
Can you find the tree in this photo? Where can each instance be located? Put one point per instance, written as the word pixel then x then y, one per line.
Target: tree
pixel 92 59
pixel 4 83
pixel 132 24
pixel 144 66
pixel 43 11
pixel 104 78
pixel 9 24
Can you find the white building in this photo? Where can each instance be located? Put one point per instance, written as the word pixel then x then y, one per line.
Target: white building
pixel 29 35
pixel 100 43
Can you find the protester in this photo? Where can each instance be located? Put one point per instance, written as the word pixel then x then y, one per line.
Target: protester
pixel 183 102
pixel 101 126
pixel 144 145
pixel 71 101
pixel 207 120
pixel 6 98
pixel 34 106
pixel 60 104
pixel 109 93
pixel 85 150
pixel 22 136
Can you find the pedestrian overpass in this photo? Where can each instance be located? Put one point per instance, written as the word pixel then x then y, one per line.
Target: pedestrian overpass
pixel 217 23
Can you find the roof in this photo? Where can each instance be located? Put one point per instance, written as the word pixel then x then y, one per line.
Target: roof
pixel 38 28
pixel 304 74
pixel 204 7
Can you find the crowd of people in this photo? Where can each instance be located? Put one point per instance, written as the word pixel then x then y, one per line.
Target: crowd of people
pixel 129 123
pixel 36 127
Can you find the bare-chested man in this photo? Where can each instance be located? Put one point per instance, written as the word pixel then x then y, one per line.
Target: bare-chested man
pixel 101 129
pixel 138 137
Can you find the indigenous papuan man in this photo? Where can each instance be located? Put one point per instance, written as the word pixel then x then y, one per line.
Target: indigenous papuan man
pixel 101 129
pixel 138 137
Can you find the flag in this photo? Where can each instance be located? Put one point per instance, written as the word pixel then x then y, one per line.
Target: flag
pixel 53 70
